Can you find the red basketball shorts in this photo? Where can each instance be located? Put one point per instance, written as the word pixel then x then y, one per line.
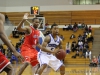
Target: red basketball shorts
pixel 3 62
pixel 29 55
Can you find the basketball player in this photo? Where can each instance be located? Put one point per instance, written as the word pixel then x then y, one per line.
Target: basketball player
pixel 5 64
pixel 28 50
pixel 50 46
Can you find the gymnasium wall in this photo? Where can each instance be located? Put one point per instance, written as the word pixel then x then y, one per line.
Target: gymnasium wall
pixel 2 9
pixel 54 8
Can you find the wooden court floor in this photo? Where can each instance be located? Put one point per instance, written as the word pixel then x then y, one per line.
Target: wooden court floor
pixel 70 70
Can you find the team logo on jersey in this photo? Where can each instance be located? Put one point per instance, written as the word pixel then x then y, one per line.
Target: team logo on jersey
pixel 35 36
pixel 52 45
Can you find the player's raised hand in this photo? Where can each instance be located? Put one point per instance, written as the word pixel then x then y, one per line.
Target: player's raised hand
pixel 25 17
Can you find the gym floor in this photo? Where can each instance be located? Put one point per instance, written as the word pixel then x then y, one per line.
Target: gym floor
pixel 70 70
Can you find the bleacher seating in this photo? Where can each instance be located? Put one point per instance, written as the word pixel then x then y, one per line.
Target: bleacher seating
pixel 66 34
pixel 61 17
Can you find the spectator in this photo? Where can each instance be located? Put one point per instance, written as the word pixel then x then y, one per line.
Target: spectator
pixel 79 25
pixel 99 59
pixel 46 25
pixel 80 38
pixel 6 19
pixel 94 61
pixel 77 53
pixel 15 29
pixel 75 27
pixel 80 45
pixel 91 38
pixel 72 36
pixel 88 54
pixel 88 35
pixel 62 37
pixel 86 28
pixel 70 27
pixel 84 52
pixel 65 27
pixel 68 48
pixel 82 25
pixel 90 29
pixel 73 47
pixel 86 45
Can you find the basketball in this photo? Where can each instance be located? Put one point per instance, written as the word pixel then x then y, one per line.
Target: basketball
pixel 60 54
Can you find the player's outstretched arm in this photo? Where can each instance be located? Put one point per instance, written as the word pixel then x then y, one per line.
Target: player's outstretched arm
pixel 19 27
pixel 5 39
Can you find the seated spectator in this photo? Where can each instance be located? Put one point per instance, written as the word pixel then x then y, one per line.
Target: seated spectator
pixel 61 36
pixel 72 36
pixel 84 52
pixel 77 53
pixel 68 48
pixel 46 25
pixel 88 54
pixel 15 29
pixel 70 27
pixel 83 25
pixel 86 45
pixel 88 35
pixel 80 38
pixel 86 28
pixel 90 29
pixel 9 53
pixel 6 19
pixel 22 39
pixel 99 59
pixel 74 47
pixel 79 25
pixel 91 38
pixel 75 27
pixel 80 45
pixel 94 61
pixel 65 27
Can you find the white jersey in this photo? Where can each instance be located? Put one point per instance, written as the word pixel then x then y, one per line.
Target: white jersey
pixel 53 43
pixel 50 59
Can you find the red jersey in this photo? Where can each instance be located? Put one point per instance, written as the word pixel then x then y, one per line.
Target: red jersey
pixel 3 62
pixel 31 39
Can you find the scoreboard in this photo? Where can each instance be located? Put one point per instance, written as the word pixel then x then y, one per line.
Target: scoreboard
pixel 35 10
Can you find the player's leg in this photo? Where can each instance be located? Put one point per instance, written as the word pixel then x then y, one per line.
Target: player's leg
pixel 56 64
pixel 38 66
pixel 23 67
pixel 41 69
pixel 62 69
pixel 43 60
pixel 9 70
